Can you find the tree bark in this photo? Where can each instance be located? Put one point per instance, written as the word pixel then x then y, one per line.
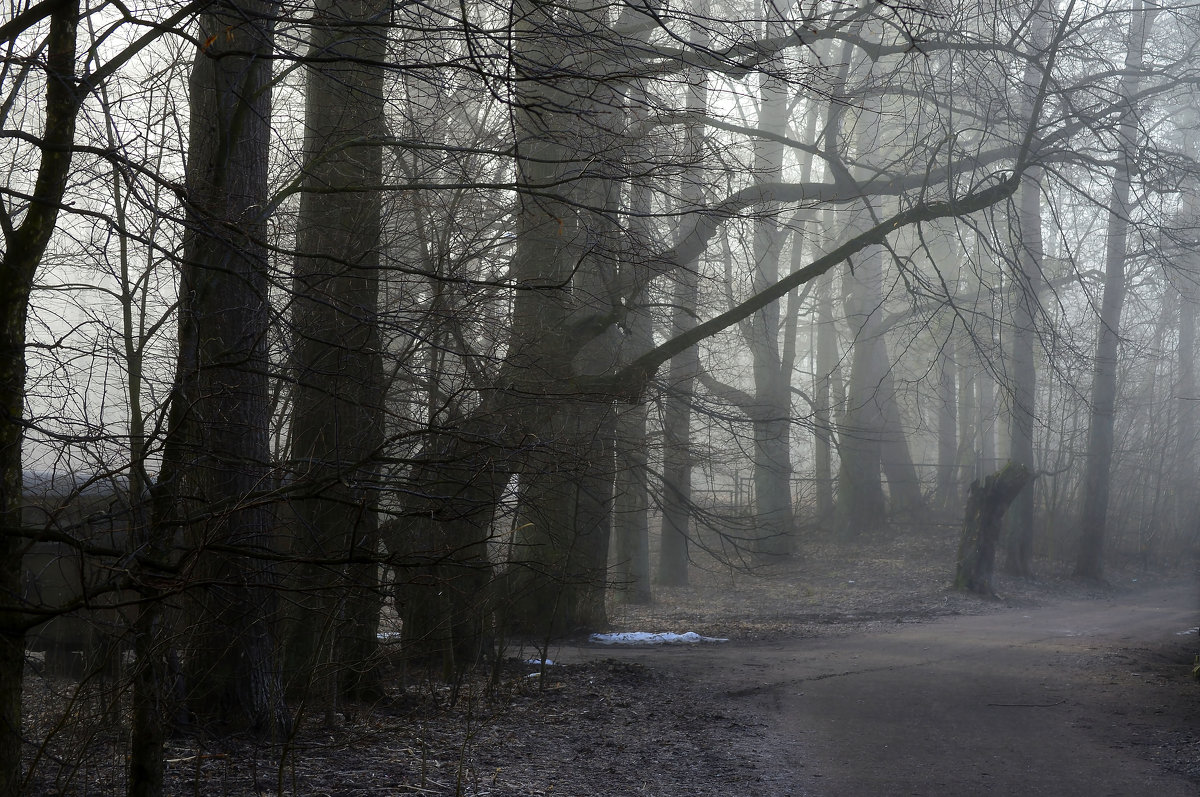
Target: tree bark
pixel 986 504
pixel 862 507
pixel 683 372
pixel 631 521
pixel 631 507
pixel 771 416
pixel 1024 289
pixel 947 431
pixel 337 414
pixel 827 363
pixel 220 409
pixel 968 418
pixel 1090 563
pixel 904 485
pixel 23 251
pixel 1185 442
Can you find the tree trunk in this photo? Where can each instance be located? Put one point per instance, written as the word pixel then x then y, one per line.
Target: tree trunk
pixel 1090 563
pixel 861 504
pixel 986 504
pixel 1185 390
pixel 988 417
pixel 827 363
pixel 771 417
pixel 1024 289
pixel 438 545
pixel 683 371
pixel 631 521
pixel 565 246
pixel 564 526
pixel 23 251
pixel 221 404
pixel 947 431
pixel 968 418
pixel 631 507
pixel 337 414
pixel 535 424
pixel 904 485
pixel 677 447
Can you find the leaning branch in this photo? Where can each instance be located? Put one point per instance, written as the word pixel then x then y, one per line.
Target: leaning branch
pixel 631 380
pixel 29 18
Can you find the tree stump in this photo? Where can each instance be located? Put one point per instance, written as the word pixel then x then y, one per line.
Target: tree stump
pixel 986 504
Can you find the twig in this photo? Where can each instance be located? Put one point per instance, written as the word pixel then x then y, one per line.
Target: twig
pixel 203 757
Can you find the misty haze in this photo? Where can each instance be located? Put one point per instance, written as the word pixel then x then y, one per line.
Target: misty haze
pixel 580 398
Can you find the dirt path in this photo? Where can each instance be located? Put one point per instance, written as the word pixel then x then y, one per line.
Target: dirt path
pixel 1063 699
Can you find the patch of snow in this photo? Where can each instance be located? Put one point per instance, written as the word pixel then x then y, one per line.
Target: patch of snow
pixel 647 638
pixel 547 662
pixel 388 636
pixel 1188 632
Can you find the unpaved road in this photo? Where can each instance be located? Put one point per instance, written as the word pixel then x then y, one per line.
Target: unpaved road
pixel 1043 701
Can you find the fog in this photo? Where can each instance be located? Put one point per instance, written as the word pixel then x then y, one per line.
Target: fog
pixel 355 350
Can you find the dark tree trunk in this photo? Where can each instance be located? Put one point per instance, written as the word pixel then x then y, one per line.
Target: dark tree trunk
pixel 861 506
pixel 567 245
pixel 151 697
pixel 535 424
pixel 564 527
pixel 337 415
pixel 631 507
pixel 438 547
pixel 221 404
pixel 23 251
pixel 677 448
pixel 986 504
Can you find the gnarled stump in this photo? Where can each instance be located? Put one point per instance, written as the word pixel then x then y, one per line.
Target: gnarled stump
pixel 986 504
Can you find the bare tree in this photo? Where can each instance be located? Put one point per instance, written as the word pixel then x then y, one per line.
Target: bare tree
pixel 216 458
pixel 337 406
pixel 685 366
pixel 1100 434
pixel 27 225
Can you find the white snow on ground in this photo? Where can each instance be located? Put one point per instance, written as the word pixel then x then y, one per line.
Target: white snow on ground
pixel 1187 632
pixel 647 638
pixel 547 662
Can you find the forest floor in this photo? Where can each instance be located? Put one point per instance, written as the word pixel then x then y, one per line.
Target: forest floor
pixel 674 720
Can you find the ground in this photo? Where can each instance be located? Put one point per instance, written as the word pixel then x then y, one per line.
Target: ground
pixel 719 720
